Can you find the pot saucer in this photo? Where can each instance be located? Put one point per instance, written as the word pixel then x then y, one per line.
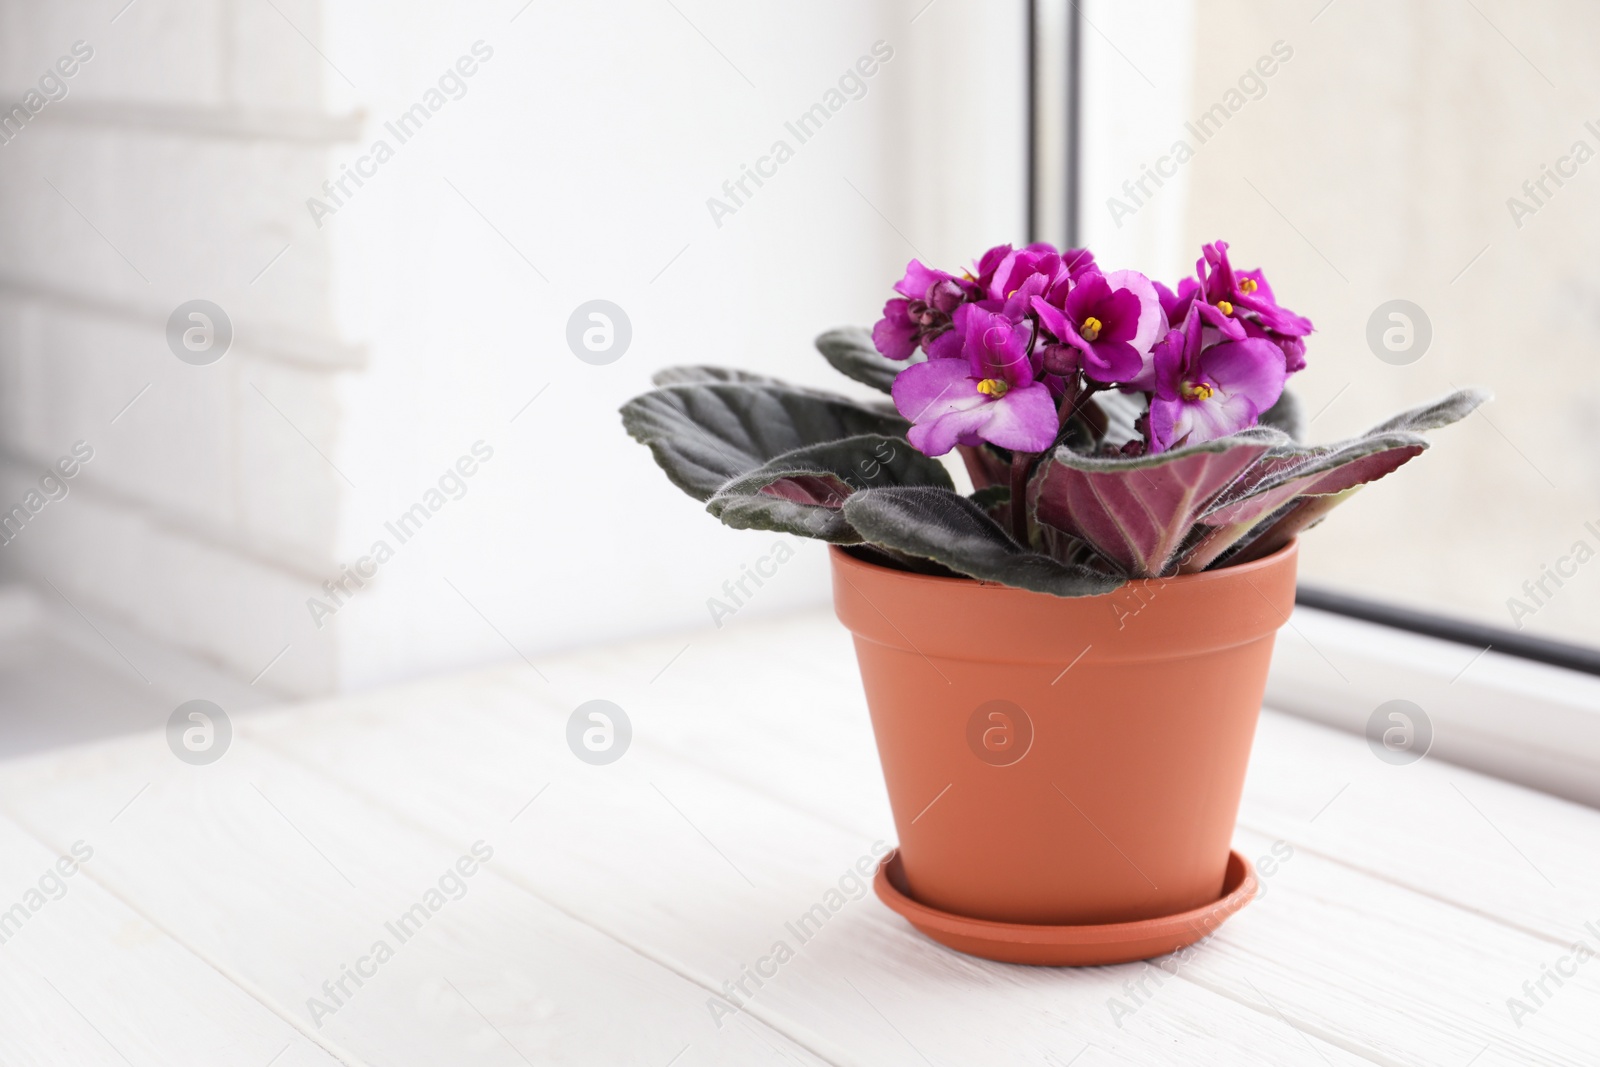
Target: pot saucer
pixel 1067 946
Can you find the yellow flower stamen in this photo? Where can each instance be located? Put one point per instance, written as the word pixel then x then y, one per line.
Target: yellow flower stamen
pixel 994 387
pixel 1247 285
pixel 1196 391
pixel 1224 307
pixel 1091 328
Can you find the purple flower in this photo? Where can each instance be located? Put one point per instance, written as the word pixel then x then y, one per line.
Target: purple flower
pixel 1112 319
pixel 1017 267
pixel 990 395
pixel 1203 394
pixel 1226 288
pixel 921 315
pixel 990 262
pixel 896 334
pixel 1175 305
pixel 1219 315
pixel 1293 348
pixel 1246 296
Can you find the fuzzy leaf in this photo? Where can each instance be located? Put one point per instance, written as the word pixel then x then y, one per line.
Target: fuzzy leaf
pixel 705 434
pixel 1453 408
pixel 1378 451
pixel 1316 472
pixel 1137 511
pixel 1291 473
pixel 697 373
pixel 852 353
pixel 953 531
pixel 1293 520
pixel 995 502
pixel 801 492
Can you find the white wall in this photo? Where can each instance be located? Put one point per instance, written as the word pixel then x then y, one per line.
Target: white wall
pixel 169 172
pixel 383 344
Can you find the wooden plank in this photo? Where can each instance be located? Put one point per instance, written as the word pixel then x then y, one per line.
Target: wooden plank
pixel 1396 974
pixel 85 980
pixel 1501 850
pixel 280 881
pixel 1475 841
pixel 756 763
pixel 708 876
pixel 1296 969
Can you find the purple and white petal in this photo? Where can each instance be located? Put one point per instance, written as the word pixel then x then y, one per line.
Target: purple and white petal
pixel 1024 420
pixel 1152 320
pixel 925 391
pixel 957 427
pixel 1252 369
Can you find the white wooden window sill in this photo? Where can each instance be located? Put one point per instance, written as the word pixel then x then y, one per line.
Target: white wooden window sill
pixel 624 905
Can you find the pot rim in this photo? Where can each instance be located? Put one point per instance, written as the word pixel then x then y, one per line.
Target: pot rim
pixel 844 557
pixel 980 621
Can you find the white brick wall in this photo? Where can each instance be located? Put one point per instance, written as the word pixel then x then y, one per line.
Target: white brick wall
pixel 411 325
pixel 185 147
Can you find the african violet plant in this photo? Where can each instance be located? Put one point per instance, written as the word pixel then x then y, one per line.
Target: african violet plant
pixel 1113 428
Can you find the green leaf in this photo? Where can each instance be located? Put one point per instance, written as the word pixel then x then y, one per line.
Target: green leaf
pixel 995 502
pixel 991 497
pixel 1297 488
pixel 1283 527
pixel 951 530
pixel 697 373
pixel 1287 474
pixel 1453 408
pixel 757 511
pixel 801 492
pixel 852 353
pixel 706 434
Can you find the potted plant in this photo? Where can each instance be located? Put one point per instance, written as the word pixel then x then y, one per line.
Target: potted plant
pixel 1065 665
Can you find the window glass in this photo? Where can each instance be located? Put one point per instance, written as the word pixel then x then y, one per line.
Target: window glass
pixel 1423 182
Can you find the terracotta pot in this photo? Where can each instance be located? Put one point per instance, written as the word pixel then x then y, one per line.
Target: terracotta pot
pixel 1064 761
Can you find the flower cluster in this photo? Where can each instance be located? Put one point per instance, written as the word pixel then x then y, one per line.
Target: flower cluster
pixel 1014 349
pixel 1112 429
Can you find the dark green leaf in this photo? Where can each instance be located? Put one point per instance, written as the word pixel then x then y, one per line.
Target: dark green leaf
pixel 852 353
pixel 991 496
pixel 951 530
pixel 701 373
pixel 801 492
pixel 706 434
pixel 1453 408
pixel 1293 489
pixel 995 502
pixel 1290 473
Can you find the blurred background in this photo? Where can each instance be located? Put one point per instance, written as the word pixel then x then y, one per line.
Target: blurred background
pixel 285 281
